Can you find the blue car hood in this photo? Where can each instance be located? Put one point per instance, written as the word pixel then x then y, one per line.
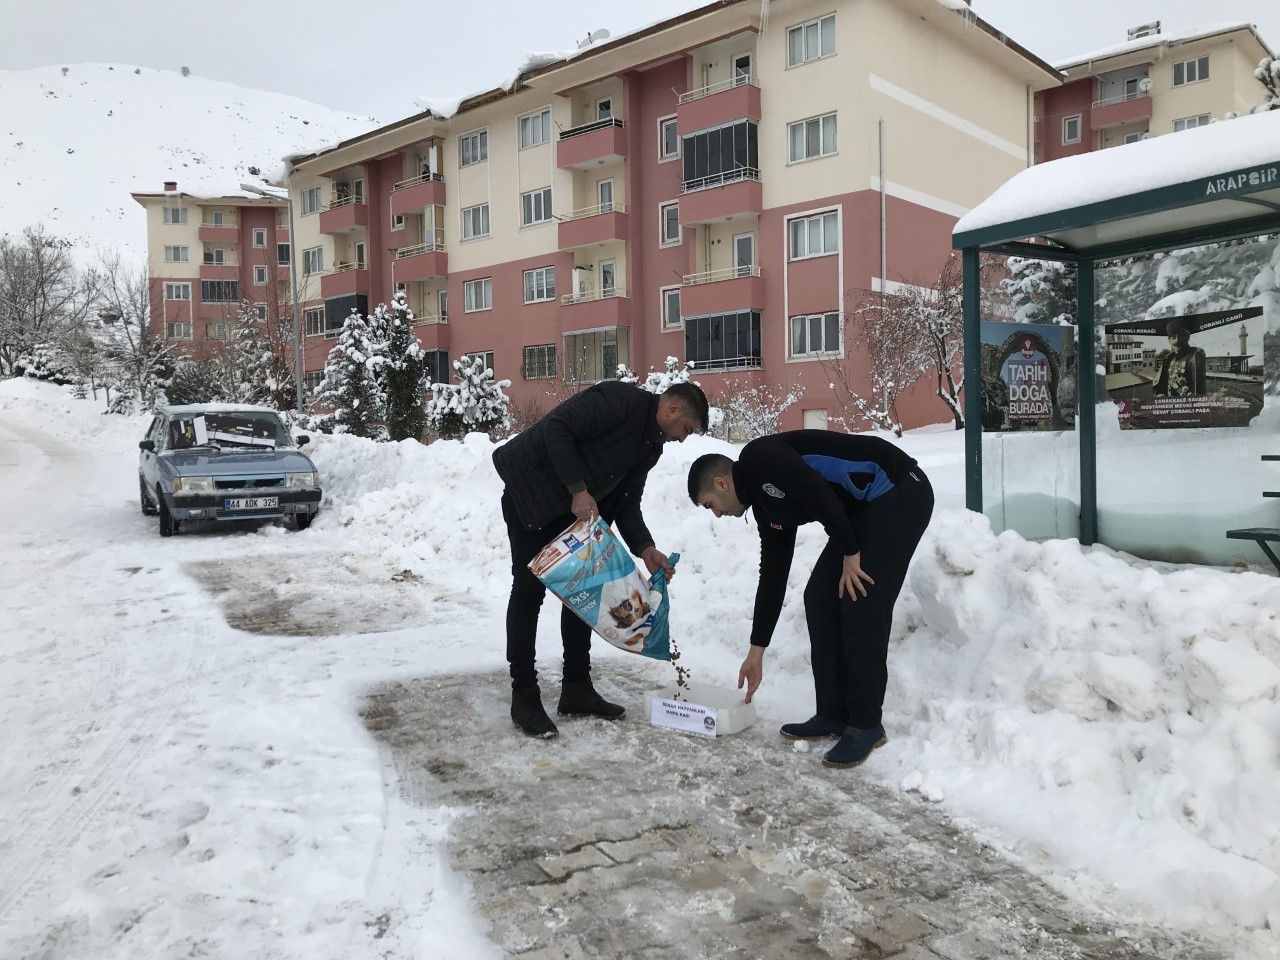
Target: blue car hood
pixel 212 463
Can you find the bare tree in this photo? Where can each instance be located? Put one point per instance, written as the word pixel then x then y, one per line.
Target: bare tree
pixel 143 362
pixel 43 296
pixel 744 410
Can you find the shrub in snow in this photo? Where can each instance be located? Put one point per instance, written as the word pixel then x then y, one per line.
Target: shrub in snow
pixel 745 411
pixel 658 381
pixel 402 376
pixel 351 387
pixel 46 361
pixel 186 71
pixel 200 381
pixel 475 404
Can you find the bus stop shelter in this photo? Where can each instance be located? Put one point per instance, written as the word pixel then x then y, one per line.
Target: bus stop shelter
pixel 1211 184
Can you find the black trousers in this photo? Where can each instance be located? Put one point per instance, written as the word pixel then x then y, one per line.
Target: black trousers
pixel 527 593
pixel 849 640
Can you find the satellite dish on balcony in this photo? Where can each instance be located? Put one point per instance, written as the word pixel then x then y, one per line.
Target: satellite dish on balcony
pixel 1145 84
pixel 593 37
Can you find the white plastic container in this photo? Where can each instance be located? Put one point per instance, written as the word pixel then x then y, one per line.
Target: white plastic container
pixel 703 708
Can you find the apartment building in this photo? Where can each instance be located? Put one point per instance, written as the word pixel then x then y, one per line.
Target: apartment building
pixel 207 255
pixel 1152 84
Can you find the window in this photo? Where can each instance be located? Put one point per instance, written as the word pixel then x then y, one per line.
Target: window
pixel 259 237
pixel 178 331
pixel 1190 71
pixel 540 362
pixel 217 330
pixel 397 221
pixel 669 224
pixel 260 275
pixel 724 341
pixel 721 155
pixel 815 137
pixel 220 291
pixel 1071 129
pixel 671 308
pixel 540 285
pixel 435 366
pixel 313 321
pixel 817 333
pixel 485 355
pixel 1133 137
pixel 313 260
pixel 811 41
pixel 604 108
pixel 312 379
pixel 175 214
pixel 260 313
pixel 535 207
pixel 175 254
pixel 282 254
pixel 218 218
pixel 475 221
pixel 668 139
pixel 535 129
pixel 442 301
pixel 310 200
pixel 815 236
pixel 177 291
pixel 216 256
pixel 1190 123
pixel 473 148
pixel 477 295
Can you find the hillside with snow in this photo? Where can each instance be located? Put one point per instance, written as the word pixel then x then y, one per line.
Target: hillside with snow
pixel 78 139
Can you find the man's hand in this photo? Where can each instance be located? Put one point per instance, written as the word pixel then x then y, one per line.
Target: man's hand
pixel 852 577
pixel 654 558
pixel 584 506
pixel 751 671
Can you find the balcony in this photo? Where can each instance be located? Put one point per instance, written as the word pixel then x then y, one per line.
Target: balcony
pixel 421 262
pixel 344 215
pixel 721 196
pixel 592 225
pixel 343 280
pixel 413 196
pixel 219 310
pixel 717 291
pixel 719 104
pixel 592 144
pixel 219 233
pixel 219 271
pixel 592 309
pixel 432 331
pixel 1119 110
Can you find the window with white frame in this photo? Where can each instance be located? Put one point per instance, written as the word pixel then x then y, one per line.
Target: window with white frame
pixel 1071 129
pixel 477 295
pixel 178 330
pixel 1133 137
pixel 259 237
pixel 1190 71
pixel 217 257
pixel 217 218
pixel 1190 123
pixel 540 362
pixel 282 254
pixel 486 357
pixel 669 224
pixel 313 260
pixel 668 139
pixel 815 333
pixel 175 214
pixel 473 148
pixel 397 221
pixel 312 380
pixel 475 221
pixel 175 254
pixel 217 330
pixel 177 291
pixel 540 285
pixel 815 236
pixel 310 200
pixel 535 207
pixel 811 41
pixel 313 320
pixel 535 129
pixel 260 313
pixel 260 275
pixel 671 308
pixel 815 137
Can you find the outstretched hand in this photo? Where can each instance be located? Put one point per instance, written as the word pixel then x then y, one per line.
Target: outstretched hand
pixel 752 671
pixel 852 577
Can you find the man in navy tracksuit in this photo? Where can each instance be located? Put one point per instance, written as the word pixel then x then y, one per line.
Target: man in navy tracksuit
pixel 874 502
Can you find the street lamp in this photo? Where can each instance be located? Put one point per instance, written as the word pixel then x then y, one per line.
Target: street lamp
pixel 293 277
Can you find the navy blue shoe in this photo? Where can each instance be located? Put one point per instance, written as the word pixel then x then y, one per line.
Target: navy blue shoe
pixel 854 747
pixel 815 728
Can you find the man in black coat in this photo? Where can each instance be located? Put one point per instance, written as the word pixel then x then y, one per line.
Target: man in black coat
pixel 588 457
pixel 874 502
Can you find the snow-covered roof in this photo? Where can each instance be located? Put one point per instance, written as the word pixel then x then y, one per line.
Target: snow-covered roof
pixel 1161 39
pixel 1059 196
pixel 198 408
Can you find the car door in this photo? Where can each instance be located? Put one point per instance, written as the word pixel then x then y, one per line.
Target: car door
pixel 147 458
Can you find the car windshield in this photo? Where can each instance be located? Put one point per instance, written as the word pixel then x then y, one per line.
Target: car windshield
pixel 246 429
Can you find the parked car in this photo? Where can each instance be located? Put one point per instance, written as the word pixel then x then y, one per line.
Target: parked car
pixel 219 461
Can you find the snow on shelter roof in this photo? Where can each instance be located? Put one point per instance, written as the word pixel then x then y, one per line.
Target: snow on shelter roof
pixel 1174 184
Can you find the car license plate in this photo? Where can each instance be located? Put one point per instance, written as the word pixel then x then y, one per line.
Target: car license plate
pixel 252 503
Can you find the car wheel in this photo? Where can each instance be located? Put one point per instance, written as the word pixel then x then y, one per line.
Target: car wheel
pixel 148 505
pixel 303 520
pixel 168 525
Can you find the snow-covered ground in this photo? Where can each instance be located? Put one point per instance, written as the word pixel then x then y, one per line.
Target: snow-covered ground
pixel 171 786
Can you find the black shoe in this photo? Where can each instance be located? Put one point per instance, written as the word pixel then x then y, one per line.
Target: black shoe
pixel 578 698
pixel 815 728
pixel 854 747
pixel 528 714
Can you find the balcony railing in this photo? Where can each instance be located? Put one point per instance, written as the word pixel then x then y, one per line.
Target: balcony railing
pixel 595 211
pixel 428 319
pixel 425 178
pixel 589 127
pixel 337 201
pixel 728 273
pixel 586 296
pixel 229 224
pixel 726 363
pixel 720 179
pixel 342 266
pixel 738 81
pixel 435 246
pixel 1124 97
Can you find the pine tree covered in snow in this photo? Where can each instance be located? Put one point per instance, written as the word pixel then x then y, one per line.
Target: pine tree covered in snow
pixel 402 373
pixel 351 387
pixel 658 381
pixel 250 359
pixel 1040 291
pixel 475 404
pixel 1268 74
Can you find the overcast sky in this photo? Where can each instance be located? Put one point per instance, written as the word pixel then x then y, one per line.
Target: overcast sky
pixel 375 58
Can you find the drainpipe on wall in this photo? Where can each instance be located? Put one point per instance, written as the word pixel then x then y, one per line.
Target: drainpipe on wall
pixel 884 248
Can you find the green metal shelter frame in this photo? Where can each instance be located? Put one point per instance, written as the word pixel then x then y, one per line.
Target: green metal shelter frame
pixel 1231 205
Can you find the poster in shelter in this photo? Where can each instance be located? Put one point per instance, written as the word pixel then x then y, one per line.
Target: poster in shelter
pixel 1196 370
pixel 1028 377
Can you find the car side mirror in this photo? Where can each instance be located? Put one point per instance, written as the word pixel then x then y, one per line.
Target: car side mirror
pixel 146 445
pixel 303 440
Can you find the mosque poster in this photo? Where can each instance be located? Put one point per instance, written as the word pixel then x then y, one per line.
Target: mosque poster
pixel 1028 377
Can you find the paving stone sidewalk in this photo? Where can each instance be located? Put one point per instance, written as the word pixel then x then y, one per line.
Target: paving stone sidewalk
pixel 629 841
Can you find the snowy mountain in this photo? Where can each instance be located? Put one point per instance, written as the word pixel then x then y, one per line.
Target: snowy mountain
pixel 78 139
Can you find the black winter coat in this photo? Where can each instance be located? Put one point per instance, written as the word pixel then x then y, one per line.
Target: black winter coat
pixel 604 440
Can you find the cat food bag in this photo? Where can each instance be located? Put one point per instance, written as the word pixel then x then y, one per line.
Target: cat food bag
pixel 594 574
